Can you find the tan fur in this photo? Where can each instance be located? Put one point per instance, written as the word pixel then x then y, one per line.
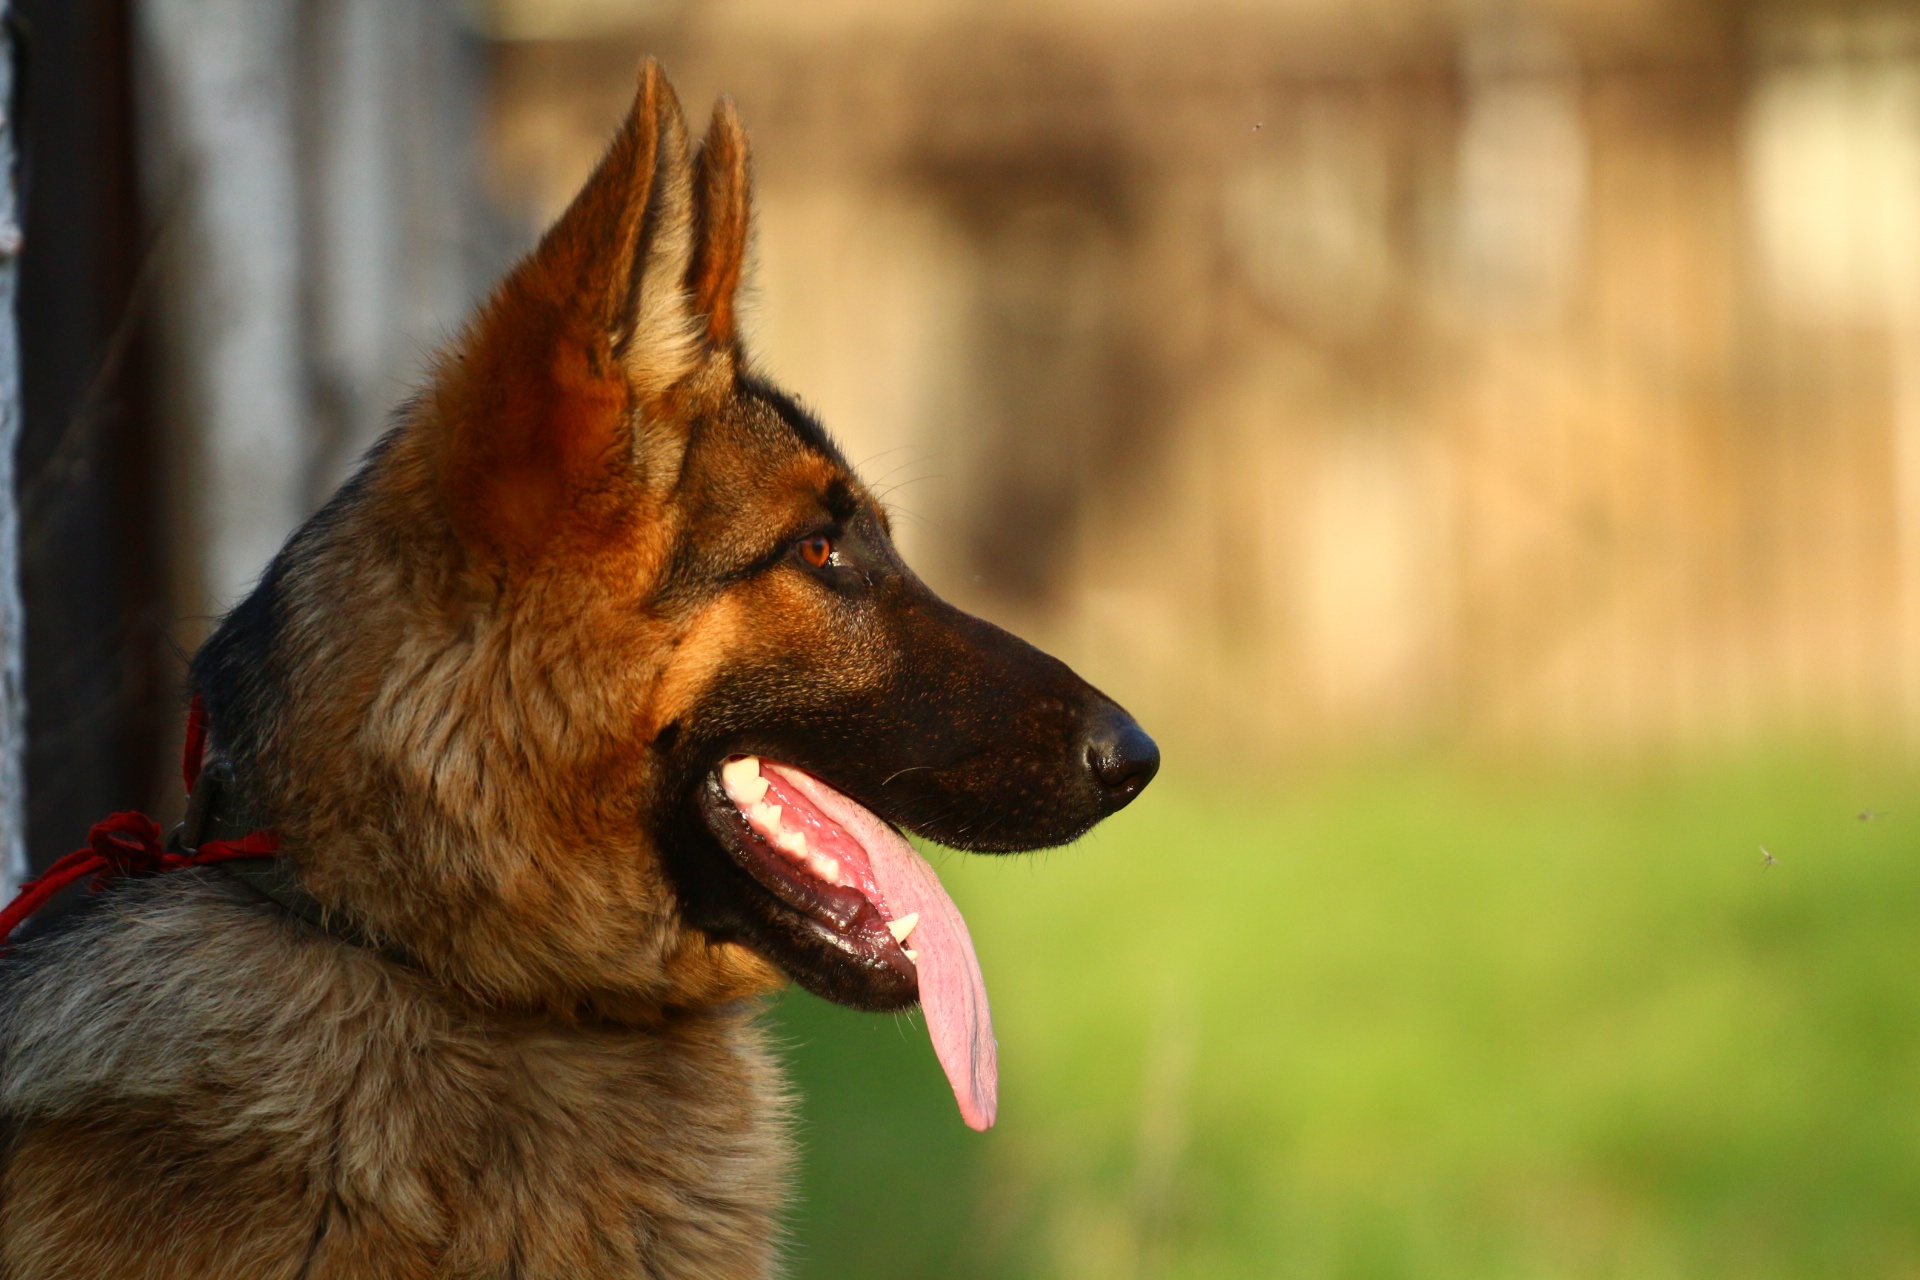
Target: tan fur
pixel 551 1075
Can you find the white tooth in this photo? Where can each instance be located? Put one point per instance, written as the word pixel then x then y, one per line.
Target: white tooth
pixel 794 842
pixel 824 867
pixel 767 815
pixel 913 957
pixel 739 777
pixel 903 926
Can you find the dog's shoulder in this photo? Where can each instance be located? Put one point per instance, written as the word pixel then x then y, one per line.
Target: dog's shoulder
pixel 181 1029
pixel 160 985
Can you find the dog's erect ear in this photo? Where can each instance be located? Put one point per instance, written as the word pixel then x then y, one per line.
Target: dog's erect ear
pixel 559 387
pixel 721 193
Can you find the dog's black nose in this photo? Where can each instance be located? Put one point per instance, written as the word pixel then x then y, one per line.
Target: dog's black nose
pixel 1123 758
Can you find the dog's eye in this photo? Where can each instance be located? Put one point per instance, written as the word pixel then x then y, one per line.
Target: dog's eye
pixel 817 550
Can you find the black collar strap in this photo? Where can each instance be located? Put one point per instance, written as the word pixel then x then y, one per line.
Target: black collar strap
pixel 217 811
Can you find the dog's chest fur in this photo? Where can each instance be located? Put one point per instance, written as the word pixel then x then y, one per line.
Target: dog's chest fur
pixel 197 1085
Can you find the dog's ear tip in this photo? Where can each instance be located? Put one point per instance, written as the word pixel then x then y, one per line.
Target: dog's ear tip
pixel 656 106
pixel 727 123
pixel 649 80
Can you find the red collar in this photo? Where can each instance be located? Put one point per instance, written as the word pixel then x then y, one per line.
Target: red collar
pixel 129 844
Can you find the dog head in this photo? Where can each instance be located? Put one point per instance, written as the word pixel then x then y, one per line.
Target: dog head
pixel 516 697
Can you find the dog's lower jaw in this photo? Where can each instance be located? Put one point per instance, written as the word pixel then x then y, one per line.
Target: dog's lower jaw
pixel 233 1093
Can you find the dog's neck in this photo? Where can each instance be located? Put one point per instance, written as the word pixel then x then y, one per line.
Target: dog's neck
pixel 217 810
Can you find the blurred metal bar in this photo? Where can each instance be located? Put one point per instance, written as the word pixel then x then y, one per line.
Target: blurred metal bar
pixel 218 108
pixel 311 164
pixel 13 718
pixel 394 252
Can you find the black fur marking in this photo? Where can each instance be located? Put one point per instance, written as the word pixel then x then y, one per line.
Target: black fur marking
pixel 790 411
pixel 842 502
pixel 235 673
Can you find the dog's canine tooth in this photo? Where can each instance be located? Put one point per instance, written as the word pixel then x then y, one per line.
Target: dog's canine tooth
pixel 903 926
pixel 743 780
pixel 913 957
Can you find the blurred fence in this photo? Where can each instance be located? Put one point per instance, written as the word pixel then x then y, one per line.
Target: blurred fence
pixel 1358 375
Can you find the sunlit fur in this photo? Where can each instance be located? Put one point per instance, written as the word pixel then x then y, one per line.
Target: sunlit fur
pixel 443 696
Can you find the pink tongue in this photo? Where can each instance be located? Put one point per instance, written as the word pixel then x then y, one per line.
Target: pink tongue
pixel 952 992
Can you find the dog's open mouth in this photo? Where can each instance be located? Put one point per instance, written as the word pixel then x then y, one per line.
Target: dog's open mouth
pixel 863 889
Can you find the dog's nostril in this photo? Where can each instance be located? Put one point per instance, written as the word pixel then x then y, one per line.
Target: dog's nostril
pixel 1123 758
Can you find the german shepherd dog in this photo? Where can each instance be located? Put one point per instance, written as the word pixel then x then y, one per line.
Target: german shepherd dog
pixel 592 708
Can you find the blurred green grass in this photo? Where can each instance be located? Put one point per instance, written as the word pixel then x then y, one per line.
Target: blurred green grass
pixel 1411 1021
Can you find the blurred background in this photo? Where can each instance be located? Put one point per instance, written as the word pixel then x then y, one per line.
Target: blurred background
pixel 1479 438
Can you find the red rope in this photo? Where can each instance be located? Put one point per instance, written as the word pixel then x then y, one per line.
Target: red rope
pixel 129 844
